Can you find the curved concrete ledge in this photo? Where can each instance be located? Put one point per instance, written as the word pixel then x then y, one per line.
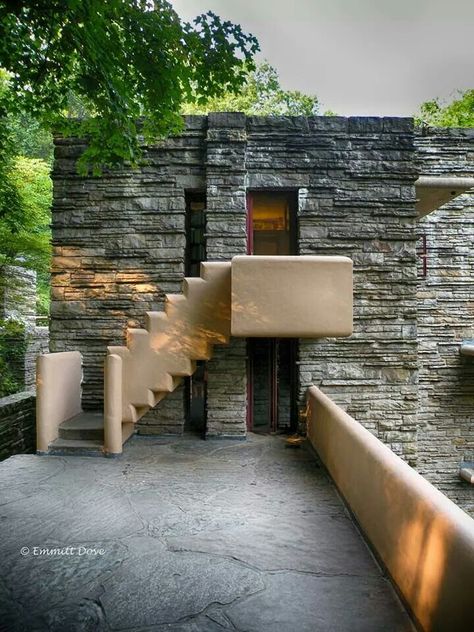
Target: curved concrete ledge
pixel 467 348
pixel 425 541
pixel 434 191
pixel 467 474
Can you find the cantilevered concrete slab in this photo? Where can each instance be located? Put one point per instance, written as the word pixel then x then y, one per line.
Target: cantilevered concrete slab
pixel 467 348
pixel 434 191
pixel 291 297
pixel 185 536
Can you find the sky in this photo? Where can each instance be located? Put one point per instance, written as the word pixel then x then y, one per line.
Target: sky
pixel 360 57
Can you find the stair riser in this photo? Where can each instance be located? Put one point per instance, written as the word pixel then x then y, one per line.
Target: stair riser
pixel 82 434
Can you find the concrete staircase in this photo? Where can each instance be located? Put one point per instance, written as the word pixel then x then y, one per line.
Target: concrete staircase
pixel 156 359
pixel 82 434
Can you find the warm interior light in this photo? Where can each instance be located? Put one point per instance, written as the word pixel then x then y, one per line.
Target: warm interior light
pixel 270 213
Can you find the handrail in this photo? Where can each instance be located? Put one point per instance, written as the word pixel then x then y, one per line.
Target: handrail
pixel 425 541
pixel 113 436
pixel 58 393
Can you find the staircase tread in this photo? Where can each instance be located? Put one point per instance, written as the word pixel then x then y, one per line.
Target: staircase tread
pixel 87 420
pixel 78 444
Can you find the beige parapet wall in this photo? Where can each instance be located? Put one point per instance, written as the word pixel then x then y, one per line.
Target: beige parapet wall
pixel 425 541
pixel 291 296
pixel 58 393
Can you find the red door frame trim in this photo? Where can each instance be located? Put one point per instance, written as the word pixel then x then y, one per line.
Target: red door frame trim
pixel 249 224
pixel 249 385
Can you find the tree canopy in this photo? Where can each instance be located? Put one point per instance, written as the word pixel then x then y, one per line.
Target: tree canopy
pixel 130 62
pixel 261 94
pixel 458 113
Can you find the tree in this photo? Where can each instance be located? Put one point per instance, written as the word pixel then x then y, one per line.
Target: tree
pixel 31 139
pixel 131 62
pixel 25 232
pixel 458 113
pixel 261 94
pixel 25 199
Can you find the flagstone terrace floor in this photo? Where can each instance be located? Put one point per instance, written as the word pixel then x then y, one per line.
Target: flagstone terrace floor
pixel 184 535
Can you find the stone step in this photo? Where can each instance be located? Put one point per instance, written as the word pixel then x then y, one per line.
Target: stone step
pixel 78 447
pixel 87 426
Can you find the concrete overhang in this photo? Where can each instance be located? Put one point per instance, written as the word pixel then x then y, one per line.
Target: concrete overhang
pixel 291 297
pixel 467 348
pixel 434 191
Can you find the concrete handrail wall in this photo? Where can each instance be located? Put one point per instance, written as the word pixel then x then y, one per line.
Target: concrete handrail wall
pixel 156 359
pixel 58 393
pixel 424 540
pixel 113 438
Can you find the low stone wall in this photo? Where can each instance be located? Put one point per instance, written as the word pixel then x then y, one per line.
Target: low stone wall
pixel 29 344
pixel 17 424
pixel 38 343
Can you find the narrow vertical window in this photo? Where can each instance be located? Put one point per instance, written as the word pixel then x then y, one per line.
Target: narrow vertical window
pixel 195 232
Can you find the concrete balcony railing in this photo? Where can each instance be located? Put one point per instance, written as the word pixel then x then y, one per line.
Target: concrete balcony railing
pixel 291 297
pixel 424 540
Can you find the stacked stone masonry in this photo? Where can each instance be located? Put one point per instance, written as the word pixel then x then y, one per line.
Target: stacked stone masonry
pixel 355 181
pixel 17 424
pixel 120 246
pixel 445 318
pixel 18 296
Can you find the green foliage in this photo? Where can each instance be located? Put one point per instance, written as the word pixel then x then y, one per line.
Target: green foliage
pixel 43 294
pixel 24 136
pixel 25 197
pixel 458 113
pixel 25 214
pixel 131 63
pixel 262 95
pixel 13 344
pixel 30 139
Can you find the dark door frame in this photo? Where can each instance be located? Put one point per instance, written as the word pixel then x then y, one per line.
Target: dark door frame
pixel 194 195
pixel 273 383
pixel 292 196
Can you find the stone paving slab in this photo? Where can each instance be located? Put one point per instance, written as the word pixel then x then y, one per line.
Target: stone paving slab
pixel 184 535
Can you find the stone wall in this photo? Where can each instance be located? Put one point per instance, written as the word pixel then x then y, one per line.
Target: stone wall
pixel 226 236
pixel 120 242
pixel 18 303
pixel 37 343
pixel 445 318
pixel 18 295
pixel 17 424
pixel 29 344
pixel 355 181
